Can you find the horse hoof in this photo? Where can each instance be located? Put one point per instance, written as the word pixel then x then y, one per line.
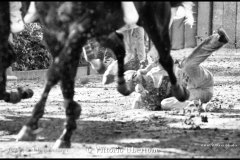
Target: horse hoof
pixel 28 93
pixel 180 92
pixel 14 97
pixel 61 144
pixel 223 35
pixel 122 88
pixel 27 134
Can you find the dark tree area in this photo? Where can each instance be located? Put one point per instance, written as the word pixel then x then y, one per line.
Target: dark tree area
pixel 30 52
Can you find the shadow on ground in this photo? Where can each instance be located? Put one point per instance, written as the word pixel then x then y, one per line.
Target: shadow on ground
pixel 132 135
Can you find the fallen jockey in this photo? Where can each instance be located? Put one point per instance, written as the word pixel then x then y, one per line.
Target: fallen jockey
pixel 153 83
pixel 177 13
pixel 104 61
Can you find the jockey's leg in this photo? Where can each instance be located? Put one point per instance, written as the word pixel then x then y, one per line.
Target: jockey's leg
pixel 199 80
pixel 202 52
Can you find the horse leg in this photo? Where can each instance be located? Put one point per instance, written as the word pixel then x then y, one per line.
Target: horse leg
pixel 30 130
pixel 11 97
pixel 68 62
pixel 115 43
pixel 4 31
pixel 7 57
pixel 156 19
pixel 4 52
pixel 73 111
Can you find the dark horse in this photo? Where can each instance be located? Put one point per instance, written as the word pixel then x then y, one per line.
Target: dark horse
pixel 68 25
pixel 7 57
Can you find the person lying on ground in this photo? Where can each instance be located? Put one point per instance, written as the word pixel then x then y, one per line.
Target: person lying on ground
pixel 153 85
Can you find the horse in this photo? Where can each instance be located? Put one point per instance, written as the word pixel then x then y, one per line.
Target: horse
pixel 68 26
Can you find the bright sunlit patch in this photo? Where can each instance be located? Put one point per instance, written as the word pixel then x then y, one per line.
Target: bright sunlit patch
pixel 137 140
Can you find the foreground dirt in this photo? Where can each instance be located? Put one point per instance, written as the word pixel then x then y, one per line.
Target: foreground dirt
pixel 109 127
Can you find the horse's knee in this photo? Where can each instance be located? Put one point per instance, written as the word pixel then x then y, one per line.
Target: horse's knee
pixel 73 109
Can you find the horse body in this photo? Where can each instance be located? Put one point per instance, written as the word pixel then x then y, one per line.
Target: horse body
pixel 69 25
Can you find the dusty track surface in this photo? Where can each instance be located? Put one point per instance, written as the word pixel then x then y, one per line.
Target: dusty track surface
pixel 109 127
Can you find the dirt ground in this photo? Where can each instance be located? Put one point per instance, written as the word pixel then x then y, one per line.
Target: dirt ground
pixel 110 128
